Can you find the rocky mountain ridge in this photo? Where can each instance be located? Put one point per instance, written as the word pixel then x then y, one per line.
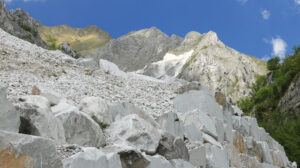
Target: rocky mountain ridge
pixel 20 24
pixel 79 117
pixel 197 57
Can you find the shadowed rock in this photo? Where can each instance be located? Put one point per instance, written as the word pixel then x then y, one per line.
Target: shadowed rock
pixel 133 159
pixel 172 148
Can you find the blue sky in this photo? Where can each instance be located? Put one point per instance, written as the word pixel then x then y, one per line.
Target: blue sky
pixel 262 28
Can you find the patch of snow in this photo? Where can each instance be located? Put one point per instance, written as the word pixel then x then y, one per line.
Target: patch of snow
pixel 174 61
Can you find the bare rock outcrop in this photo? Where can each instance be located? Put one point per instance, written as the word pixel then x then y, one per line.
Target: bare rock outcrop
pixel 133 51
pixel 20 24
pixel 291 99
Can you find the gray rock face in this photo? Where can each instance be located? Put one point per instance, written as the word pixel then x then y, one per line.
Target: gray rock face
pixel 248 161
pixel 136 132
pixel 136 49
pixel 291 100
pixel 179 163
pixel 9 117
pixel 93 158
pixel 294 165
pixel 210 140
pixel 189 86
pixel 192 133
pixel 253 127
pixel 241 124
pixel 53 97
pixel 120 110
pixel 63 106
pixel 172 148
pixel 65 47
pixel 171 124
pixel 80 129
pixel 67 150
pixel 201 121
pixel 201 100
pixel 89 63
pixel 19 150
pixel 111 68
pixel 234 155
pixel 158 161
pixel 197 157
pixel 97 108
pixel 262 152
pixel 216 157
pixel 20 24
pixel 37 119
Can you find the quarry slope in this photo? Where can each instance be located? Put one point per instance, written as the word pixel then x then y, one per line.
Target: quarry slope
pixel 79 117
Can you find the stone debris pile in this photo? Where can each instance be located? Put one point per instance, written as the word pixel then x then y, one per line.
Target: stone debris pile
pixel 56 113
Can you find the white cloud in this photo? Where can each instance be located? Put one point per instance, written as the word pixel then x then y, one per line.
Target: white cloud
pixel 266 14
pixel 279 47
pixel 242 1
pixel 297 2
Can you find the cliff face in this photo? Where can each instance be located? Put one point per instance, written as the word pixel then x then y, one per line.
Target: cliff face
pixel 291 100
pixel 20 24
pixel 204 58
pixel 83 40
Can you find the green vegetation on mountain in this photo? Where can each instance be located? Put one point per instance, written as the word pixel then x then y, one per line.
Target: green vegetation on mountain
pixel 263 103
pixel 83 40
pixel 51 41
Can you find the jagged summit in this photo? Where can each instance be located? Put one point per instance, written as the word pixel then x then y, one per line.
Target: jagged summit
pixel 192 38
pixel 147 32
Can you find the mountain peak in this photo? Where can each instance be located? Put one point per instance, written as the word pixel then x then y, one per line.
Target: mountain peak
pixel 192 38
pixel 149 32
pixel 211 36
